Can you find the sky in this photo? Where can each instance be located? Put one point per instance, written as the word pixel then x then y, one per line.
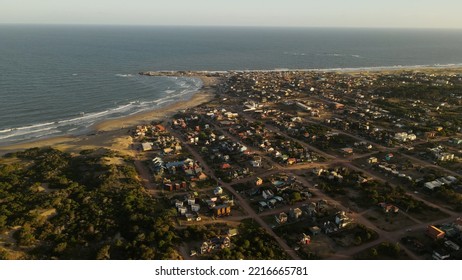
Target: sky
pixel 301 13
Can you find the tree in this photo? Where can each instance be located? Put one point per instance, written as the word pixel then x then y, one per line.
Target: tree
pixel 4 254
pixel 147 253
pixel 374 253
pixel 368 235
pixel 25 236
pixel 295 196
pixel 3 222
pixel 103 253
pixel 396 249
pixel 60 247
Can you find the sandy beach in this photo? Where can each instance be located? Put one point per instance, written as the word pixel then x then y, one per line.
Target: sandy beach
pixel 113 134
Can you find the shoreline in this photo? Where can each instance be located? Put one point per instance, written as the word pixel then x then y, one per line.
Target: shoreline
pixel 112 133
pixel 194 73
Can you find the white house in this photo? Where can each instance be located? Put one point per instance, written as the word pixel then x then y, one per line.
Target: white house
pixel 218 191
pixel 267 194
pixel 195 207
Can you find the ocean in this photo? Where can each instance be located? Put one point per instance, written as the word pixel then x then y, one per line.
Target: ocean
pixel 60 80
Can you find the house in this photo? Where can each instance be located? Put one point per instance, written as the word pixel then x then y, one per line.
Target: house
pixel 347 151
pixel 259 181
pixel 178 203
pixel 362 180
pixel 202 176
pixel 295 213
pixel 262 204
pixel 329 227
pixel 256 161
pixel 291 161
pixel 167 151
pixel 303 106
pixel 430 134
pixel 431 186
pixel 267 194
pixel 449 231
pixel 281 218
pixel 174 186
pixel 210 203
pixel 189 172
pixel 230 202
pixel 197 169
pixel 222 210
pixel 456 141
pixel 218 191
pixel 440 254
pixel 311 209
pixel 160 128
pixel 182 210
pixel 225 166
pixel 372 160
pixel 278 198
pixel 157 161
pixel 411 137
pixel 216 243
pixel 191 201
pixel 147 146
pixel 205 248
pixel 401 136
pixel 451 245
pixel 195 207
pixel 315 230
pixel 305 239
pixel 452 179
pixel 176 164
pixel 435 232
pixel 444 157
pixel 342 220
pixel 232 232
pixel 388 208
pixel 337 105
pixel 317 171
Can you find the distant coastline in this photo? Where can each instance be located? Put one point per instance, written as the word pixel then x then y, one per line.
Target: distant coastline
pixel 194 73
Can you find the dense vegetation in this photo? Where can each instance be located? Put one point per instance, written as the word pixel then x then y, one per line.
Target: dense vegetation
pixel 80 207
pixel 252 242
pixel 433 95
pixel 383 251
pixel 427 92
pixel 374 192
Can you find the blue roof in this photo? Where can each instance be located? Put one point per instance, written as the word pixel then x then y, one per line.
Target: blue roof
pixel 175 163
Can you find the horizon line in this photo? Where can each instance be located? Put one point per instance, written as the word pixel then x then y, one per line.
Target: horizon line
pixel 229 26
